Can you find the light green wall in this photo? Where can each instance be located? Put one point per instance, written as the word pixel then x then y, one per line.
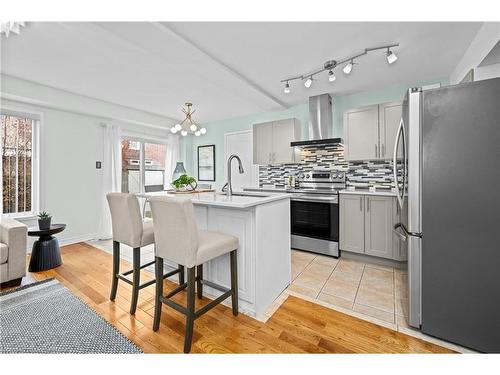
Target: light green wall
pixel 341 103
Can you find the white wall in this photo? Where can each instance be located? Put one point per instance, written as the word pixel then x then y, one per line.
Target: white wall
pixel 486 38
pixel 71 141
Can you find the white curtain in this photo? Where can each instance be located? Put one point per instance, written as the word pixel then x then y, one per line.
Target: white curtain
pixel 111 175
pixel 171 158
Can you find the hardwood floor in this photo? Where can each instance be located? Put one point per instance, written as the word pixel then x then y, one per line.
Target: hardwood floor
pixel 298 326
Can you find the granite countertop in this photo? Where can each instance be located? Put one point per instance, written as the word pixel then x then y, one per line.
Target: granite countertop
pixel 386 193
pixel 218 199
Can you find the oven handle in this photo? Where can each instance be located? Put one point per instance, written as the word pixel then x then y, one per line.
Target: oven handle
pixel 319 200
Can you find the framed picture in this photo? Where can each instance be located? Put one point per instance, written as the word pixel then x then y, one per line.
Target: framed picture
pixel 206 163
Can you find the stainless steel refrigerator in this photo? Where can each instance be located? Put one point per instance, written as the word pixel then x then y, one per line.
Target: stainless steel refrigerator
pixel 447 164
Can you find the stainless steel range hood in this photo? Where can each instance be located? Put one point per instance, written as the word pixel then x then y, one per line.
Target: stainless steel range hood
pixel 320 122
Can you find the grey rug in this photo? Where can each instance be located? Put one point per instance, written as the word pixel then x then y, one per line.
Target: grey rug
pixel 45 317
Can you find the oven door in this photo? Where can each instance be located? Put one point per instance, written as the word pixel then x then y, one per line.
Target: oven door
pixel 315 219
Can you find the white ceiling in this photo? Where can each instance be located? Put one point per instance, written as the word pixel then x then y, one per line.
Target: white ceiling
pixel 225 69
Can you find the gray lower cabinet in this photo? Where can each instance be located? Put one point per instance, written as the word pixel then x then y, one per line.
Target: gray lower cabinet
pixel 378 226
pixel 366 225
pixel 352 223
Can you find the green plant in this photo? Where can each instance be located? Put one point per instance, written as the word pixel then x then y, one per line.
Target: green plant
pixel 44 215
pixel 183 181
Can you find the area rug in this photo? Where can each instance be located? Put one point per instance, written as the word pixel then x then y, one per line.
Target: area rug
pixel 45 317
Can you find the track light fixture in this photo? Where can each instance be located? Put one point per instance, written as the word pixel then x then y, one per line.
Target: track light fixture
pixel 391 56
pixel 308 82
pixel 348 68
pixel 287 88
pixel 330 65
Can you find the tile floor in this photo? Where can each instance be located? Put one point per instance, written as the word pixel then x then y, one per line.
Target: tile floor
pixel 376 291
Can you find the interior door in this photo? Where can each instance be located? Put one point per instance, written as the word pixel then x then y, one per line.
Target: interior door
pixel 240 143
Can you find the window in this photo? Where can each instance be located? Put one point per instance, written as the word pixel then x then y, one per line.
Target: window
pixel 18 161
pixel 143 166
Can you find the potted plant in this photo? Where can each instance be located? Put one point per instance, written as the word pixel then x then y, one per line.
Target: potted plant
pixel 44 219
pixel 185 183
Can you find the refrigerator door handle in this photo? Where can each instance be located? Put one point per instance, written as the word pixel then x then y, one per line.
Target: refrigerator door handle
pixel 395 164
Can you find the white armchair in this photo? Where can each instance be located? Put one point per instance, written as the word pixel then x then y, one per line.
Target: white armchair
pixel 13 242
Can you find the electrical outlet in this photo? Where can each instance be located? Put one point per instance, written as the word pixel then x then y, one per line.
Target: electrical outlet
pixel 97 165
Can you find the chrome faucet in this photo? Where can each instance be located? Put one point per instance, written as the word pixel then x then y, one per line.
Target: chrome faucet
pixel 228 186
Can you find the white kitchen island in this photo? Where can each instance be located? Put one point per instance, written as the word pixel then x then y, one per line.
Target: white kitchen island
pixel 262 224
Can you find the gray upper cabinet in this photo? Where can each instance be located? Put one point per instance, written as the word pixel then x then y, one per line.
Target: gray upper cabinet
pixel 389 118
pixel 271 141
pixel 361 133
pixel 352 223
pixel 262 143
pixel 370 132
pixel 378 226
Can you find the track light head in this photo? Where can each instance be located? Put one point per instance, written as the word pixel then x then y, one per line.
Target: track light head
pixel 348 68
pixel 287 88
pixel 331 76
pixel 308 82
pixel 391 56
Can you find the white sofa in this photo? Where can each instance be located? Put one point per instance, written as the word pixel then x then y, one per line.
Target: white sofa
pixel 13 242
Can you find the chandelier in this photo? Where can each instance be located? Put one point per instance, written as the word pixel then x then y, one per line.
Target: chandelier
pixel 330 65
pixel 188 126
pixel 10 27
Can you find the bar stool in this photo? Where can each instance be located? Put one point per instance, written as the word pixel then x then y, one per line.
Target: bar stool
pixel 178 239
pixel 131 230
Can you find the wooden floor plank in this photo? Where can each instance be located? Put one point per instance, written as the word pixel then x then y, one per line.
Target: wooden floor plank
pixel 298 326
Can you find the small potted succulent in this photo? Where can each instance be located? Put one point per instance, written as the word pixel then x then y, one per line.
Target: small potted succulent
pixel 185 183
pixel 44 219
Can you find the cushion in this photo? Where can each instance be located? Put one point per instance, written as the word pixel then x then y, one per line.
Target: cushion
pixel 4 253
pixel 148 236
pixel 214 244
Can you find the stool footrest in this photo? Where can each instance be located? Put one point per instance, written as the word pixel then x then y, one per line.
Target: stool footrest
pixel 141 267
pixel 215 286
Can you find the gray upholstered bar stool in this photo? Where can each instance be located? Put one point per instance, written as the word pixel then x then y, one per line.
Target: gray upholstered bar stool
pixel 178 239
pixel 131 230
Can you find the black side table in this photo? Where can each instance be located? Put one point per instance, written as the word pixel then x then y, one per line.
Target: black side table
pixel 45 253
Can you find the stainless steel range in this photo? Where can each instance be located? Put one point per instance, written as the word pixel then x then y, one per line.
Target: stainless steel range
pixel 315 212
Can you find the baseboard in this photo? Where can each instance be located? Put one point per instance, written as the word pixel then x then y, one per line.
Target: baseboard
pixel 71 240
pixel 374 260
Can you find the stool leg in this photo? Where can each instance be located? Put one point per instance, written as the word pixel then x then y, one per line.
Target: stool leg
pixel 234 282
pixel 191 277
pixel 116 270
pixel 199 285
pixel 181 275
pixel 136 277
pixel 158 292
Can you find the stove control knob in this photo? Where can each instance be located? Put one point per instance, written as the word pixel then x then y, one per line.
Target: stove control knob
pixel 301 176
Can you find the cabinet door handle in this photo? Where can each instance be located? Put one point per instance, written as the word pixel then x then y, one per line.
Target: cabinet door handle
pixel 361 203
pixel 383 149
pixel 367 204
pixel 376 151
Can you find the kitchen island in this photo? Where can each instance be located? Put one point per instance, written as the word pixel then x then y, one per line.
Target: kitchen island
pixel 262 224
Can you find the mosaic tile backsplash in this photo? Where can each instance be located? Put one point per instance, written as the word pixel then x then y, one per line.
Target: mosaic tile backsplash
pixel 361 174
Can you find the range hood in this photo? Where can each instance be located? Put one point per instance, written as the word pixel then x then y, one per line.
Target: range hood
pixel 320 122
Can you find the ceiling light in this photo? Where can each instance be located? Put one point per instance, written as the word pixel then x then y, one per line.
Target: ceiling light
pixel 203 131
pixel 184 133
pixel 391 56
pixel 193 127
pixel 331 76
pixel 197 133
pixel 348 68
pixel 287 89
pixel 178 127
pixel 173 130
pixel 308 82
